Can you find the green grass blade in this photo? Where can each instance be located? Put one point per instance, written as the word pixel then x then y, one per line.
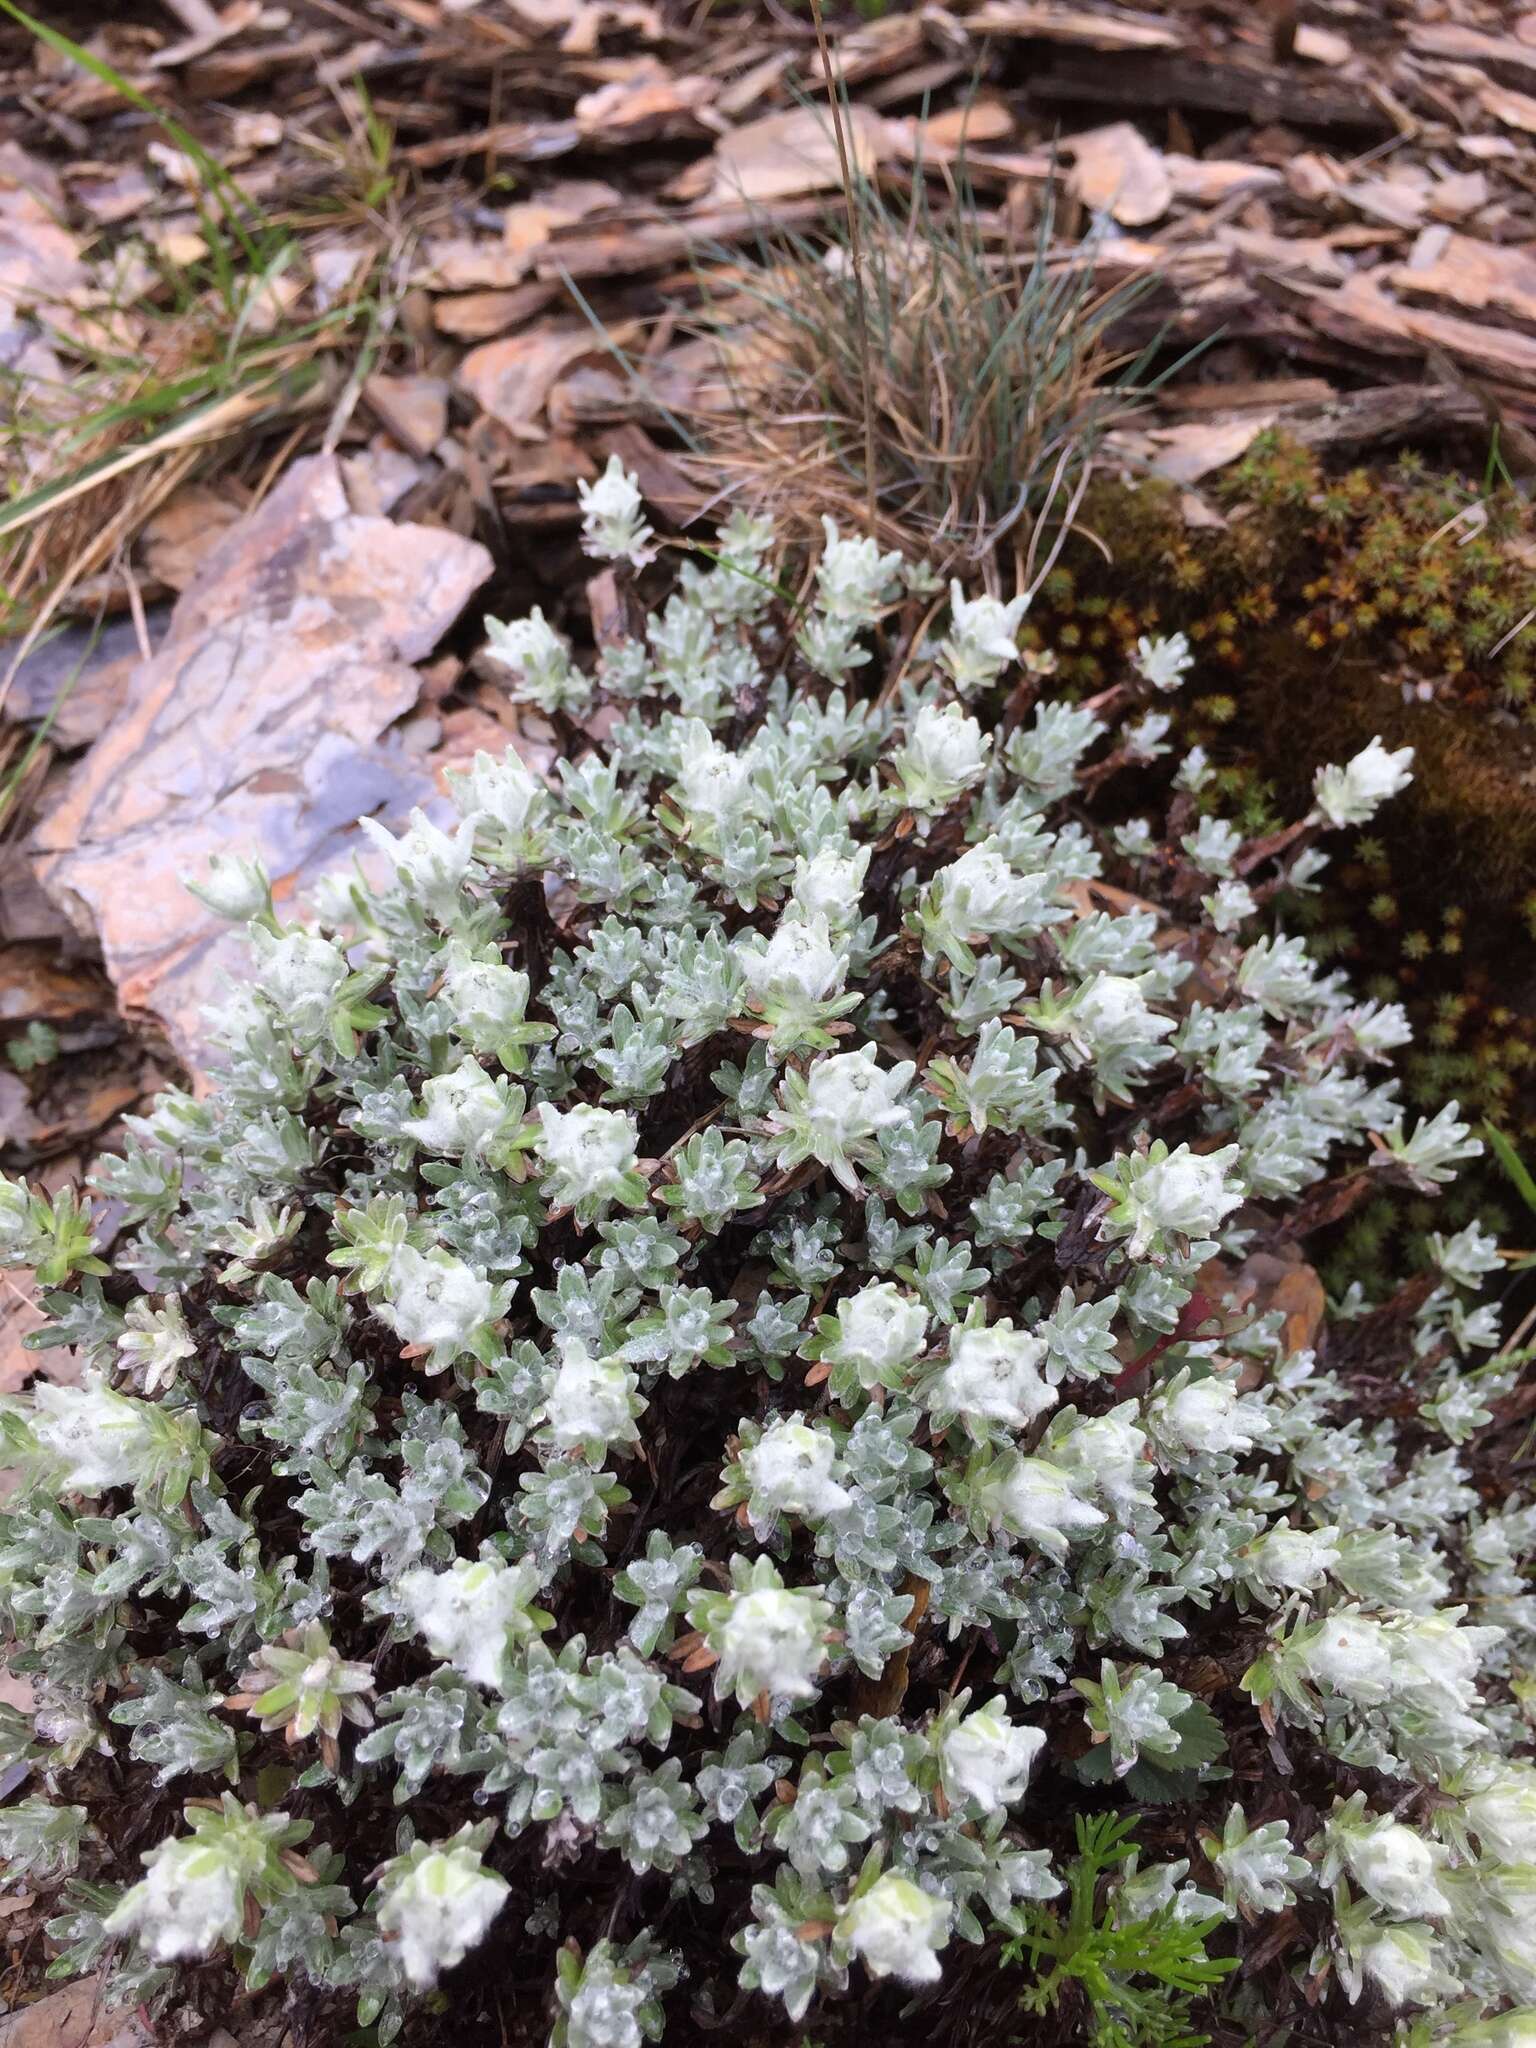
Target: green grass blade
pixel 1513 1165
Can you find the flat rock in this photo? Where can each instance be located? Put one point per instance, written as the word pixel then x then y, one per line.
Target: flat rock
pixel 258 727
pixel 80 676
pixel 76 2017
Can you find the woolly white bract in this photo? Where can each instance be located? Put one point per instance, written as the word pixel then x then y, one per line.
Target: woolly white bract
pixel 775 1209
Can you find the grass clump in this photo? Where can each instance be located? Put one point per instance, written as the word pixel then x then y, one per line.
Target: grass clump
pixel 920 374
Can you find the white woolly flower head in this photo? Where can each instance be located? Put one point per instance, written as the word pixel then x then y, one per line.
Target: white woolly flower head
pixel 713 783
pixel 945 754
pixel 301 975
pixel 770 1639
pixel 799 965
pixel 1406 1965
pixel 1164 662
pixel 1353 794
pixel 189 1899
pixel 983 637
pixel 1108 1455
pixel 980 893
pixel 1503 1813
pixel 613 524
pixel 437 1902
pixel 101 1438
pixel 993 1376
pixel 896 1929
pixel 792 1471
pixel 502 793
pixel 1397 1867
pixel 1041 1501
pixel 193 1892
pixel 1350 1654
pixel 430 864
pixel 438 1302
pixel 534 652
pixel 473 1613
pixel 987 1758
pixel 1163 1200
pixel 592 1400
pixel 1111 1009
pixel 876 1334
pixel 1206 1416
pixel 829 885
pixel 1188 1192
pixel 850 1095
pixel 485 999
pixel 234 888
pixel 855 580
pixel 461 1111
pixel 1293 1560
pixel 590 1152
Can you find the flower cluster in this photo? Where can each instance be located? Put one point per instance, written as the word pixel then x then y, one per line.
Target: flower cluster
pixel 713 1358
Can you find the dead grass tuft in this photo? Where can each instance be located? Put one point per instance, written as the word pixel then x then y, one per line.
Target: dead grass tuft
pixel 988 377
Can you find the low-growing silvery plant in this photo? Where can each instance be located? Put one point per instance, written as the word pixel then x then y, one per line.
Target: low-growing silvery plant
pixel 699 1386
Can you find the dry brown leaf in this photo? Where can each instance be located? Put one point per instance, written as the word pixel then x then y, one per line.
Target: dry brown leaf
pixel 1186 453
pixel 786 154
pixel 1115 170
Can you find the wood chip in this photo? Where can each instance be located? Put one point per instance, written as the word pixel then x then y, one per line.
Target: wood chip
pixel 1321 45
pixel 1207 182
pixel 1399 204
pixel 1074 25
pixel 511 379
pixel 1514 109
pixel 784 155
pixel 1360 312
pixel 648 107
pixel 1471 46
pixel 413 410
pixel 1471 276
pixel 1115 170
pixel 1459 194
pixel 477 316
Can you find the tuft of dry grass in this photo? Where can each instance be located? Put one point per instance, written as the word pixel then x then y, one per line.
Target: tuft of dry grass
pixel 979 378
